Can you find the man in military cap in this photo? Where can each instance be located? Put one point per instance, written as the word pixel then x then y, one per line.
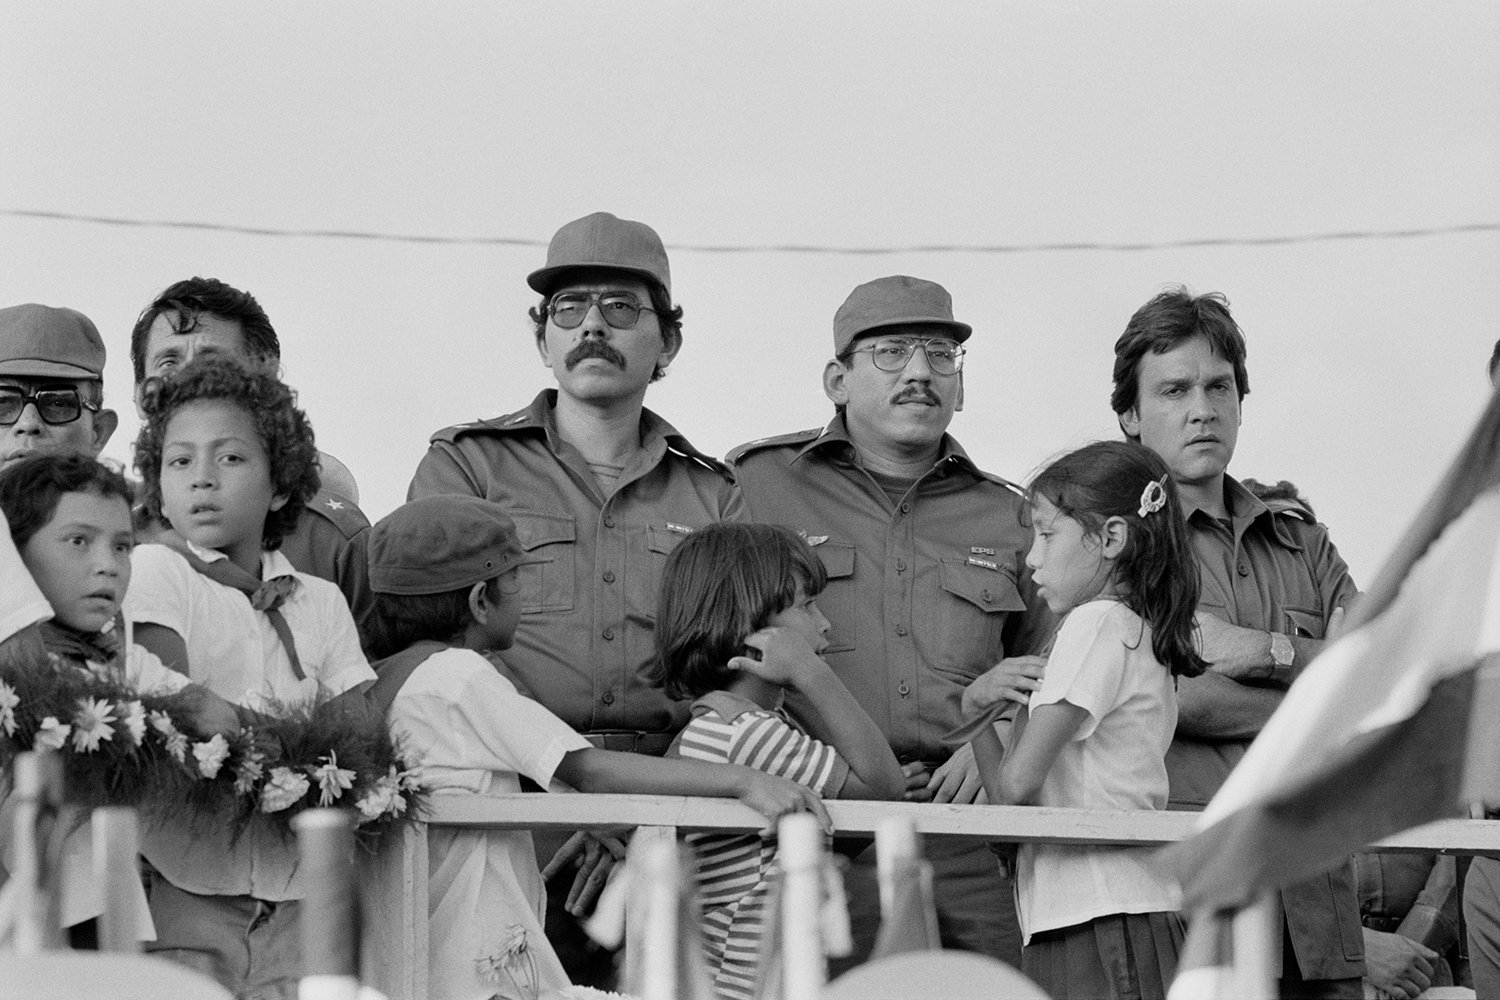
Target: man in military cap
pixel 600 488
pixel 927 583
pixel 51 383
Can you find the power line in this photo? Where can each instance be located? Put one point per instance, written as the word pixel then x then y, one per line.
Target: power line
pixel 979 248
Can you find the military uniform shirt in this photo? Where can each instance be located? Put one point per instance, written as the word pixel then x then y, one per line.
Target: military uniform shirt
pixel 586 644
pixel 1272 567
pixel 923 595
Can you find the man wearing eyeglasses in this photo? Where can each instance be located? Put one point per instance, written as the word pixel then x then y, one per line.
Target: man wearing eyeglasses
pixel 600 488
pixel 927 585
pixel 51 383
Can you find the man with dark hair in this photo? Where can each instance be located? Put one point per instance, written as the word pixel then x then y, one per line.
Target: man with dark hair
pixel 204 316
pixel 601 490
pixel 927 584
pixel 51 383
pixel 1272 582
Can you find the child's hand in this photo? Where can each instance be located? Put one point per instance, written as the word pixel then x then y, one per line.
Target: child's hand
pixel 775 797
pixel 785 654
pixel 1012 679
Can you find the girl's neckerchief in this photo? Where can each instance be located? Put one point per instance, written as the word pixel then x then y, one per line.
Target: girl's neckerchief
pixel 104 648
pixel 264 595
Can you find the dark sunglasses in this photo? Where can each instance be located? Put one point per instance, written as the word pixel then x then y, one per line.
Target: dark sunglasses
pixel 621 310
pixel 55 406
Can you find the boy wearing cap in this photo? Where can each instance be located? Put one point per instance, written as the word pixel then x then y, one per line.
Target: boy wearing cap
pixel 51 383
pixel 445 573
pixel 927 583
pixel 600 488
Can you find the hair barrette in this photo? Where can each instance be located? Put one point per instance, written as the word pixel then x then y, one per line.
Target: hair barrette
pixel 1153 497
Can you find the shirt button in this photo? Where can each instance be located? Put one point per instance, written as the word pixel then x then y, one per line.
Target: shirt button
pixel 905 689
pixel 900 565
pixel 906 508
pixel 1243 569
pixel 609 634
pixel 609 522
pixel 609 576
pixel 609 698
pixel 900 629
pixel 987 597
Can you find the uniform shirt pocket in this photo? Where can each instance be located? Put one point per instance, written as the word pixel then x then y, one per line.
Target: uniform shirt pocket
pixel 1303 623
pixel 975 601
pixel 546 585
pixel 660 542
pixel 838 562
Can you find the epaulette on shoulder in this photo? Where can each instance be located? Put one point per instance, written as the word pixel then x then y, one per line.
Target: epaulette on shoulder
pixel 1002 481
pixel 797 438
pixel 344 513
pixel 494 425
pixel 1282 498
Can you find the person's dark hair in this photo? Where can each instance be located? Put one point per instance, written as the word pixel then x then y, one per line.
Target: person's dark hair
pixel 283 429
pixel 31 488
pixel 190 298
pixel 720 584
pixel 667 315
pixel 1169 319
pixel 397 621
pixel 1157 573
pixel 1495 360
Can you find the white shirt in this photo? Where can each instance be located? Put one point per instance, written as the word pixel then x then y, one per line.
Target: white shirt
pixel 234 651
pixel 1102 662
pixel 21 603
pixel 475 733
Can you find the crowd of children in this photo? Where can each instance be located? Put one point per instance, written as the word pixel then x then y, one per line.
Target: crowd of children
pixel 179 585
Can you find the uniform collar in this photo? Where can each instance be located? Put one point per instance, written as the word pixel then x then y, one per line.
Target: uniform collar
pixel 1248 512
pixel 835 438
pixel 541 417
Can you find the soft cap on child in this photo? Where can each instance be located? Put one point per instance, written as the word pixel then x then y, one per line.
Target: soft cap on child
pixel 440 544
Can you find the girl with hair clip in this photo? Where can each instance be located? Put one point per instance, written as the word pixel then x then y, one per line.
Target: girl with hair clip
pixel 1110 552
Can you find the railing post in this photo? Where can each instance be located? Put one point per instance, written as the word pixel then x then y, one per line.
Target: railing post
pixel 394 950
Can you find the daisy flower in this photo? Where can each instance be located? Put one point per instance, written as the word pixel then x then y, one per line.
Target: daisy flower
pixel 91 724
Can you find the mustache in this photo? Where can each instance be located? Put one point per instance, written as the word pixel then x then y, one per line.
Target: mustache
pixel 921 392
pixel 591 348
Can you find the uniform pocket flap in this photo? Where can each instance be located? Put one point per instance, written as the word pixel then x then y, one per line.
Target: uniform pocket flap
pixel 664 540
pixel 987 589
pixel 535 529
pixel 1304 624
pixel 838 558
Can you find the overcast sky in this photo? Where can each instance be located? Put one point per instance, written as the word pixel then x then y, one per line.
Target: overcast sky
pixel 850 125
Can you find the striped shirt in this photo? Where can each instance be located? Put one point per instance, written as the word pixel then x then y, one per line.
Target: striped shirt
pixel 735 870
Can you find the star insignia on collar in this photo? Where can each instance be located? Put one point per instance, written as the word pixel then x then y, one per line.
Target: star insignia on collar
pixel 333 504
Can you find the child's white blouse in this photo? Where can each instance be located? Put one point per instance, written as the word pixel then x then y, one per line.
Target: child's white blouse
pixel 1102 662
pixel 233 650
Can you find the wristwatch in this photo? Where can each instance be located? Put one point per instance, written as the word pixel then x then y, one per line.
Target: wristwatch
pixel 1282 652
